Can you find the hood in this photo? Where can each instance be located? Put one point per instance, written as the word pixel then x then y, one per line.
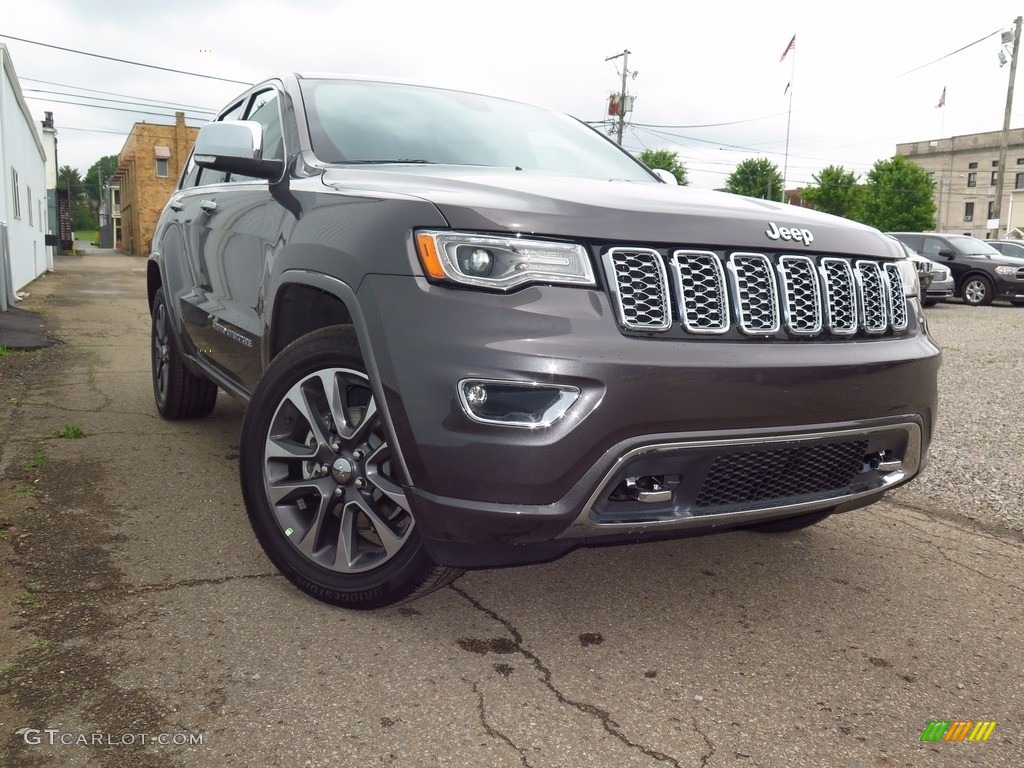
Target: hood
pixel 620 212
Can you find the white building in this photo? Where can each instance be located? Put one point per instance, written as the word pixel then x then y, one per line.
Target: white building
pixel 23 208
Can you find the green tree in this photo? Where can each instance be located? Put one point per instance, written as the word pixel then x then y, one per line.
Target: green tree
pixel 82 216
pixel 899 195
pixel 835 191
pixel 758 177
pixel 99 173
pixel 667 160
pixel 69 178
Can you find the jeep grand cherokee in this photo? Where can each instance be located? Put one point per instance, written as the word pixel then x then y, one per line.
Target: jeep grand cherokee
pixel 472 332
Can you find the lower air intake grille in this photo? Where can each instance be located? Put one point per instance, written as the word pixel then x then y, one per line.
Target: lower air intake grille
pixel 758 476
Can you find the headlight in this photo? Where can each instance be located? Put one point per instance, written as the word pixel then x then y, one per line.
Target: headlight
pixel 501 263
pixel 1006 270
pixel 911 284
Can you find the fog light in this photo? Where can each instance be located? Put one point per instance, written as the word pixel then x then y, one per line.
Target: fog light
pixel 515 403
pixel 476 396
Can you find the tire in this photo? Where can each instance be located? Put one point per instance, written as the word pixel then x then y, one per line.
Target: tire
pixel 787 524
pixel 319 485
pixel 977 291
pixel 179 393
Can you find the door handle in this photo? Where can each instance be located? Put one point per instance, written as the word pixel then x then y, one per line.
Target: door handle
pixel 176 205
pixel 210 206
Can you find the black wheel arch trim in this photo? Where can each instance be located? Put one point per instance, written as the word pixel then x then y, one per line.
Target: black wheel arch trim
pixel 347 295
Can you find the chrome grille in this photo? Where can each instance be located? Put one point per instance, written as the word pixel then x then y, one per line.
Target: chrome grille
pixel 757 301
pixel 641 288
pixel 873 299
pixel 754 293
pixel 840 296
pixel 702 292
pixel 897 298
pixel 801 295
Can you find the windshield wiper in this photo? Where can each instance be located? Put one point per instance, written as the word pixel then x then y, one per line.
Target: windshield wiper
pixel 385 162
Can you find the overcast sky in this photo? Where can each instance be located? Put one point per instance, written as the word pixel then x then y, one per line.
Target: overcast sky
pixel 712 69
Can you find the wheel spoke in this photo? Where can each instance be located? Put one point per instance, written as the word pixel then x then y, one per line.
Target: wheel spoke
pixel 345 556
pixel 336 389
pixel 309 542
pixel 383 483
pixel 281 490
pixel 390 540
pixel 297 396
pixel 278 448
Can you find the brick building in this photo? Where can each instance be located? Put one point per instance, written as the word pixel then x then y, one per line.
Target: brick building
pixel 148 169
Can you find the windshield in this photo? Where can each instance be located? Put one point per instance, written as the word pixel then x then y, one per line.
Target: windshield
pixel 366 122
pixel 971 246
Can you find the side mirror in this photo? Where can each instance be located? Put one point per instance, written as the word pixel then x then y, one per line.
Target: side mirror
pixel 665 176
pixel 235 146
pixel 948 253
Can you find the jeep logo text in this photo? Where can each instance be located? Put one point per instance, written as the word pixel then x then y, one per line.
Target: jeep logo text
pixel 776 232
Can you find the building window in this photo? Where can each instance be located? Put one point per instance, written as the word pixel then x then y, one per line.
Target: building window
pixel 972 165
pixel 28 199
pixel 1018 181
pixel 1020 161
pixel 16 195
pixel 968 211
pixel 995 163
pixel 972 179
pixel 163 156
pixel 992 181
pixel 991 208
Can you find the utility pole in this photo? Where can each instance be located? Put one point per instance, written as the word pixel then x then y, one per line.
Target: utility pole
pixel 622 93
pixel 1004 140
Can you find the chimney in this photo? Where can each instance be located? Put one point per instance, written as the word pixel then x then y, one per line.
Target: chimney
pixel 48 120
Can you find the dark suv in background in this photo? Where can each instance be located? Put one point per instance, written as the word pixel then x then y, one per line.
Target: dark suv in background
pixel 981 273
pixel 472 332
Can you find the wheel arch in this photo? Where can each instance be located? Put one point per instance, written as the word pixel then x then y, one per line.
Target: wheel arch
pixel 959 283
pixel 153 281
pixel 302 301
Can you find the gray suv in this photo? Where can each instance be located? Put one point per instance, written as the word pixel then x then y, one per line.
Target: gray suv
pixel 472 332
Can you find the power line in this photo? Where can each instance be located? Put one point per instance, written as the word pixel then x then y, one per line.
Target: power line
pixel 112 101
pixel 100 106
pixel 124 61
pixel 110 93
pixel 779 114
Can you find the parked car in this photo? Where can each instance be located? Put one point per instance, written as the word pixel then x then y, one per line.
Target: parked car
pixel 1008 247
pixel 472 332
pixel 936 280
pixel 981 274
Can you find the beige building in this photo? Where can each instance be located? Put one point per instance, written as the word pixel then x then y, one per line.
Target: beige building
pixel 964 170
pixel 147 174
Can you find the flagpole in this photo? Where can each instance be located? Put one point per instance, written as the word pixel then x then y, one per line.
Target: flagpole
pixel 789 116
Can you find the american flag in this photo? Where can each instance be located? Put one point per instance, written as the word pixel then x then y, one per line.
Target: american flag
pixel 942 98
pixel 790 47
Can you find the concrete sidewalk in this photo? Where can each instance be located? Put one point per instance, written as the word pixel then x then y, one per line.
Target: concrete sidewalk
pixel 25 330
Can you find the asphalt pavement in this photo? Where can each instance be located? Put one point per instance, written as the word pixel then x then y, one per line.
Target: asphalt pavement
pixel 142 625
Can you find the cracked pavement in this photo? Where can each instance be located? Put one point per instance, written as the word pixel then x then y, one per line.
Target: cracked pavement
pixel 136 601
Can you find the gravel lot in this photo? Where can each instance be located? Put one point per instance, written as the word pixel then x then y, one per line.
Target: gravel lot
pixel 975 465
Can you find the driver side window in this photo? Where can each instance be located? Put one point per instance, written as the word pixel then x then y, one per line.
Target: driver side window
pixel 264 110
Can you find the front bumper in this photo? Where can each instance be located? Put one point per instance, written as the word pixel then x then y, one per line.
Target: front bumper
pixel 485 494
pixel 1009 289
